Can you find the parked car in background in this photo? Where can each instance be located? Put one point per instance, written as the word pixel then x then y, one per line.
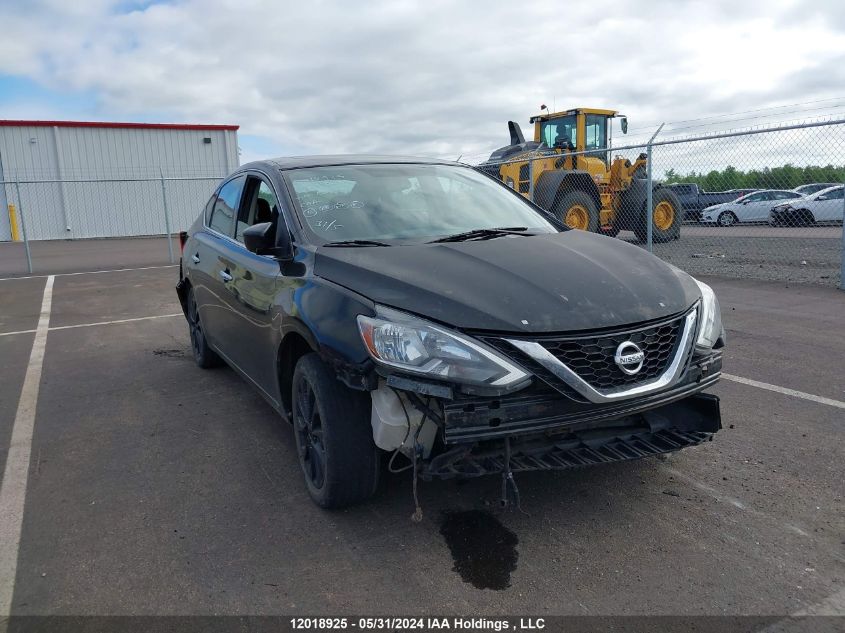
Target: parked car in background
pixel 752 207
pixel 405 305
pixel 693 199
pixel 806 190
pixel 823 206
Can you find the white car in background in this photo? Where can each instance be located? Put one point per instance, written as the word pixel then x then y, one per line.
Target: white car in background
pixel 815 187
pixel 826 205
pixel 752 207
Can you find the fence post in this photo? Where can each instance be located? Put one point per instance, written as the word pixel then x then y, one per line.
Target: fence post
pixel 649 193
pixel 530 179
pixel 166 217
pixel 23 226
pixel 842 254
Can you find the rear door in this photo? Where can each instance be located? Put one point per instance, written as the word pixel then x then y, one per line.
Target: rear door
pixel 248 290
pixel 212 244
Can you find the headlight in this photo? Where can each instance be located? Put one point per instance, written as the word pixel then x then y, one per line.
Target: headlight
pixel 401 340
pixel 710 330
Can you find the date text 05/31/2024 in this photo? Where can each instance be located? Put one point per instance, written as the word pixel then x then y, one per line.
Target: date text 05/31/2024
pixel 418 624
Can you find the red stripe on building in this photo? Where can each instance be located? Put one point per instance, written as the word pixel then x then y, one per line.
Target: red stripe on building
pixel 105 124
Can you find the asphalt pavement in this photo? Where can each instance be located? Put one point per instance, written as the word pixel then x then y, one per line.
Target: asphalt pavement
pixel 158 488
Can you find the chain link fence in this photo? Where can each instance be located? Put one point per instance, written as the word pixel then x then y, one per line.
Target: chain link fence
pixel 44 210
pixel 757 204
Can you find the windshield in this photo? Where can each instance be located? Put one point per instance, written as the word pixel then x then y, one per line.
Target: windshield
pixel 560 132
pixel 399 202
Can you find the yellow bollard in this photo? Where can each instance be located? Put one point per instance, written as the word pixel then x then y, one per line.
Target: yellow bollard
pixel 13 224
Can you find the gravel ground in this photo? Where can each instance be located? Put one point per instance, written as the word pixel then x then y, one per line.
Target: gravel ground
pixel 814 260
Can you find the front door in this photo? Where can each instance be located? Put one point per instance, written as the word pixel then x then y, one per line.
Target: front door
pixel 828 206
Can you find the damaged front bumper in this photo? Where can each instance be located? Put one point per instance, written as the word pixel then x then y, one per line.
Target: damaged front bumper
pixel 663 429
pixel 542 429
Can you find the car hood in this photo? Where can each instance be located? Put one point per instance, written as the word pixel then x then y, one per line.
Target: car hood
pixel 544 283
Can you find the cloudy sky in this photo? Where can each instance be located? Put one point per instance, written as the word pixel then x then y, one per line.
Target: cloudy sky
pixel 434 78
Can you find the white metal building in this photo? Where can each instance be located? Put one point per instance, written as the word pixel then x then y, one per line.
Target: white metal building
pixel 82 179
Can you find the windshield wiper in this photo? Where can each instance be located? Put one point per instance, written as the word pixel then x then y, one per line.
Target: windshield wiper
pixel 477 234
pixel 357 243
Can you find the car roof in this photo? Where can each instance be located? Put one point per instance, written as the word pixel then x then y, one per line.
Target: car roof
pixel 825 190
pixel 299 162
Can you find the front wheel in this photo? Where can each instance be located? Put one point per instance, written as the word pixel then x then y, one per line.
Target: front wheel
pixel 338 457
pixel 727 218
pixel 578 210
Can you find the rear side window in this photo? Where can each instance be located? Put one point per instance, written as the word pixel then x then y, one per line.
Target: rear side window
pixel 226 207
pixel 209 207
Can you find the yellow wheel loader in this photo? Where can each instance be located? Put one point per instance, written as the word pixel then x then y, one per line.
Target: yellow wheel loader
pixel 567 169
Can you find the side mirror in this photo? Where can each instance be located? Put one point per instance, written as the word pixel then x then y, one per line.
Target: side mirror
pixel 623 122
pixel 261 240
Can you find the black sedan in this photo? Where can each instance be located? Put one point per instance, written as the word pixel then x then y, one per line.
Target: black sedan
pixel 422 310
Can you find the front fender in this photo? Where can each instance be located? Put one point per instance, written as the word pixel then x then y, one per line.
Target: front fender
pixel 325 315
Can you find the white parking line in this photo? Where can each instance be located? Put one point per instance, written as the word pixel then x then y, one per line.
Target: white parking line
pixel 70 327
pixel 88 272
pixel 13 486
pixel 788 392
pixel 146 318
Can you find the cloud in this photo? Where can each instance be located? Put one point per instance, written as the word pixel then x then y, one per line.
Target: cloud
pixel 436 77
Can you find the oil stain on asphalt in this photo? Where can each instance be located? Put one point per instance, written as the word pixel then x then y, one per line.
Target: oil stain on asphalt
pixel 483 549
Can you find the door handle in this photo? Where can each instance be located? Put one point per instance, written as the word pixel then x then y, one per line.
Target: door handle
pixel 196 258
pixel 225 276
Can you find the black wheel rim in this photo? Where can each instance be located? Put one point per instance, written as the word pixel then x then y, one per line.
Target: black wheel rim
pixel 195 326
pixel 309 433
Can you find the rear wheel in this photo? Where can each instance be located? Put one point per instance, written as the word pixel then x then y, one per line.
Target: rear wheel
pixel 204 356
pixel 578 210
pixel 333 436
pixel 727 218
pixel 665 218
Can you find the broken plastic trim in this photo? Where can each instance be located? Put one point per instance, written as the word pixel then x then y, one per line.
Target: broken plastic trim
pixel 464 462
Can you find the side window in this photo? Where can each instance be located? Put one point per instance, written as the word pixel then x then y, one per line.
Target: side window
pixel 757 197
pixel 226 207
pixel 262 207
pixel 596 131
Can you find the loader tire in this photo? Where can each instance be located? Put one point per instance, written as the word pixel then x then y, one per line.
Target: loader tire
pixel 666 213
pixel 577 210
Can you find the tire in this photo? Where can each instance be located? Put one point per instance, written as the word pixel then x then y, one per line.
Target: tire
pixel 204 356
pixel 806 218
pixel 334 440
pixel 727 218
pixel 666 216
pixel 578 210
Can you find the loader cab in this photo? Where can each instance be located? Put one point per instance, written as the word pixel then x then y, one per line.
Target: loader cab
pixel 579 130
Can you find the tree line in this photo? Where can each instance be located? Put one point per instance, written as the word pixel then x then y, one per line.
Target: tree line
pixel 786 177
